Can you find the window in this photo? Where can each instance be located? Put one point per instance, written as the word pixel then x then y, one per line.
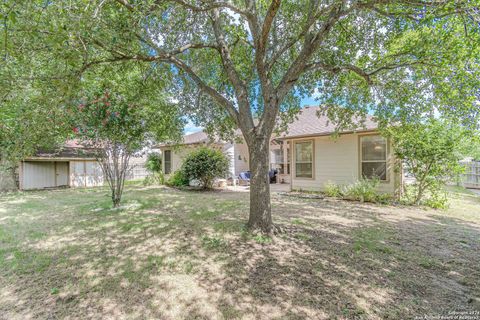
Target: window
pixel 304 159
pixel 167 160
pixel 374 157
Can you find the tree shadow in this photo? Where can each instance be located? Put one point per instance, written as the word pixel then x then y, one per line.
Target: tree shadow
pixel 181 255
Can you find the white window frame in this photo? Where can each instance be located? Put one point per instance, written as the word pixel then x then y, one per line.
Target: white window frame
pixel 294 149
pixel 373 161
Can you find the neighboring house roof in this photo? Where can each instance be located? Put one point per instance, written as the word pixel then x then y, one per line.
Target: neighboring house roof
pixel 307 123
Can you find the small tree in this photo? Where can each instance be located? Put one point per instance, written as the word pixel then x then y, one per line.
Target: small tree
pixel 431 152
pixel 154 167
pixel 204 165
pixel 117 128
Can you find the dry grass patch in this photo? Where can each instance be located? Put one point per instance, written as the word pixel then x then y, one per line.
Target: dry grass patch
pixel 172 254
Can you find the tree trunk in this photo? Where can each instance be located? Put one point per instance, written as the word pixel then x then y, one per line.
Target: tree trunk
pixel 419 195
pixel 115 200
pixel 260 207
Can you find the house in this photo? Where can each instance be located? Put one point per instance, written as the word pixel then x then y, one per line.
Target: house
pixel 71 166
pixel 308 156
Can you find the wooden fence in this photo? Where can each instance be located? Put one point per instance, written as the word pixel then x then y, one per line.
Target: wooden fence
pixel 471 176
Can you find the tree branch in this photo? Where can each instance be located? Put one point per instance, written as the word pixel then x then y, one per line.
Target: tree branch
pixel 311 43
pixel 212 5
pixel 238 84
pixel 367 75
pixel 220 99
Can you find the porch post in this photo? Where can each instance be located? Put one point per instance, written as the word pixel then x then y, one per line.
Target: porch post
pixel 285 157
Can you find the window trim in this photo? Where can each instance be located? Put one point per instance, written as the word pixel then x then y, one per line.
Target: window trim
pixel 164 161
pixel 387 156
pixel 293 167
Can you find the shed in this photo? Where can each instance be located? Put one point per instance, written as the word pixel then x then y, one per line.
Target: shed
pixel 71 166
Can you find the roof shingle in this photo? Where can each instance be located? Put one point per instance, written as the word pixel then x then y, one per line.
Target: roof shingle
pixel 306 124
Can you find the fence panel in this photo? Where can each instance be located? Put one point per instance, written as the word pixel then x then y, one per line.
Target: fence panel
pixel 471 176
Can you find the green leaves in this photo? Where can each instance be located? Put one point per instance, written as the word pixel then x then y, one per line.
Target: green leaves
pixel 431 152
pixel 204 165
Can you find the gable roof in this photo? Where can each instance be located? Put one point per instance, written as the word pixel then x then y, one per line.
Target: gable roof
pixel 306 124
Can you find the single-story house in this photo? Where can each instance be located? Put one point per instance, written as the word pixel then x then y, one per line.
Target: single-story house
pixel 308 156
pixel 71 166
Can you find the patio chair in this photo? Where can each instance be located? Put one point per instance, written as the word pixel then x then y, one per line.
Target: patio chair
pixel 244 178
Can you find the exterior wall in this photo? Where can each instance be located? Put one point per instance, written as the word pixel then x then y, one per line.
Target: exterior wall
pixel 85 173
pixel 38 175
pixel 241 158
pixel 179 153
pixel 43 174
pixel 338 161
pixel 229 150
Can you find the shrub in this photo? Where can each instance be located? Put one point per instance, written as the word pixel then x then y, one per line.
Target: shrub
pixel 154 162
pixel 431 152
pixel 154 167
pixel 204 165
pixel 364 190
pixel 434 198
pixel 154 178
pixel 384 198
pixel 332 190
pixel 178 179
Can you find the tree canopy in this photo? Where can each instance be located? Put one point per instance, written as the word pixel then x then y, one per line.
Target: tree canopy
pixel 231 62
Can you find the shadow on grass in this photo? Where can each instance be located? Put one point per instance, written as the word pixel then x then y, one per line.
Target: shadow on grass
pixel 178 255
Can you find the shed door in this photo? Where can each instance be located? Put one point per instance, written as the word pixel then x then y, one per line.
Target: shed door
pixel 38 175
pixel 61 174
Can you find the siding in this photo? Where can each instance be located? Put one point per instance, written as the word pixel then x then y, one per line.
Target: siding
pixel 338 161
pixel 229 150
pixel 241 158
pixel 38 175
pixel 179 153
pixel 85 173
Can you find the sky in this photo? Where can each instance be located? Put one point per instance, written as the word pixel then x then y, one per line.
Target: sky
pixel 191 128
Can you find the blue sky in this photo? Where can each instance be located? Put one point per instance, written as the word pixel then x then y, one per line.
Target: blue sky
pixel 191 128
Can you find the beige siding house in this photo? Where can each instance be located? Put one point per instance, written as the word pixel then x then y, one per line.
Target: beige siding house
pixel 320 158
pixel 308 156
pixel 173 155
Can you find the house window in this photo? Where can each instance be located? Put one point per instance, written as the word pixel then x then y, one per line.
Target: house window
pixel 304 159
pixel 167 160
pixel 374 157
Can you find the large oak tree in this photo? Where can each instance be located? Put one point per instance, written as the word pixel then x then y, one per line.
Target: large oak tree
pixel 247 63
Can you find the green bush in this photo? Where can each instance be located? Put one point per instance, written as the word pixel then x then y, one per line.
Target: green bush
pixel 154 178
pixel 332 190
pixel 178 179
pixel 384 198
pixel 431 152
pixel 204 165
pixel 154 162
pixel 435 198
pixel 154 167
pixel 364 190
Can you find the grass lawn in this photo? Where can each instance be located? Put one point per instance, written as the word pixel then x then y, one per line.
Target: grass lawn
pixel 172 254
